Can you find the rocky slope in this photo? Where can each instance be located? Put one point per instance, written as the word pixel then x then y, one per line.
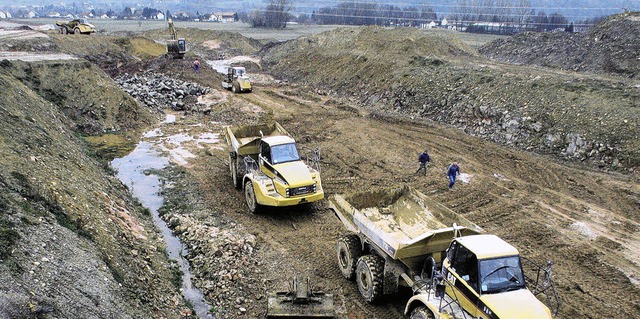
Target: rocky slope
pixel 74 243
pixel 612 47
pixel 435 77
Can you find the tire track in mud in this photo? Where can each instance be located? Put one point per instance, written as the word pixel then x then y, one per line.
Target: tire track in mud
pixel 361 152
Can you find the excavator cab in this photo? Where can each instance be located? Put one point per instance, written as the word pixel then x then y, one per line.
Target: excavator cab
pixel 176 47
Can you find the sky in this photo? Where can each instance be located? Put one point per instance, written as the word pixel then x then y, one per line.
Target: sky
pixel 572 9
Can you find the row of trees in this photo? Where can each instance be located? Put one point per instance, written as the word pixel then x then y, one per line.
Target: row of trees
pixel 275 14
pixel 494 16
pixel 372 13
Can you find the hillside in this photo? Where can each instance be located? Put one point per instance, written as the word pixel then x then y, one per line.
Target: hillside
pixel 73 242
pixel 433 76
pixel 612 47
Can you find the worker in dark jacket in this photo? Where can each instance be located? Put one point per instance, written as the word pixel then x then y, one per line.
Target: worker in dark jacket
pixel 453 171
pixel 423 159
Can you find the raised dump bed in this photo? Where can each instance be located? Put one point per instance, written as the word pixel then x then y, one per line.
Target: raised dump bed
pixel 401 222
pixel 245 140
pixel 401 237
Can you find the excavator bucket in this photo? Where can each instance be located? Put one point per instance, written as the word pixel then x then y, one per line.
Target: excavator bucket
pixel 300 302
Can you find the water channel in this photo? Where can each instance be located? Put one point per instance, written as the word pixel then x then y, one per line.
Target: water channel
pixel 136 171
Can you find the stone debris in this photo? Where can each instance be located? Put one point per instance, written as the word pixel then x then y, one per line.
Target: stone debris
pixel 159 92
pixel 223 263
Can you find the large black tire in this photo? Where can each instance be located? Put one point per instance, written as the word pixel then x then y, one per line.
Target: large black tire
pixel 64 30
pixel 234 88
pixel 233 169
pixel 77 31
pixel 250 197
pixel 348 250
pixel 369 277
pixel 421 312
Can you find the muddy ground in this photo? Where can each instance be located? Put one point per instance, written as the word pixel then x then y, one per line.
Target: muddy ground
pixel 585 221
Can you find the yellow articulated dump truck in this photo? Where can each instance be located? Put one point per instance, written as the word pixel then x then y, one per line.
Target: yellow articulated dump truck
pixel 264 161
pixel 400 237
pixel 237 80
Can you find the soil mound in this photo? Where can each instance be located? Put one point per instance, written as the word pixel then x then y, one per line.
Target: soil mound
pixel 210 44
pixel 611 47
pixel 436 77
pixel 84 93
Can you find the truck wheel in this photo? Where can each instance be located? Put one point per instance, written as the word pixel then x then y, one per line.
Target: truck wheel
pixel 369 276
pixel 250 197
pixel 348 249
pixel 76 31
pixel 233 168
pixel 64 30
pixel 234 89
pixel 421 312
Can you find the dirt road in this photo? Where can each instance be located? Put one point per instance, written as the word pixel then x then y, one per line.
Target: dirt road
pixel 586 222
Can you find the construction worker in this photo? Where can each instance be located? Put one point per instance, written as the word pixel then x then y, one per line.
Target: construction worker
pixel 196 66
pixel 423 159
pixel 453 171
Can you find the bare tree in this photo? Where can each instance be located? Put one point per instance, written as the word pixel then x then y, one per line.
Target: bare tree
pixel 276 14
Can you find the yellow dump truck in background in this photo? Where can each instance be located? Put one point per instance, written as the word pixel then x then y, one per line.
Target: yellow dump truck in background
pixel 264 161
pixel 77 26
pixel 401 237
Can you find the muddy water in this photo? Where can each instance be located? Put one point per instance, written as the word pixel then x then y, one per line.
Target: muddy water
pixel 136 171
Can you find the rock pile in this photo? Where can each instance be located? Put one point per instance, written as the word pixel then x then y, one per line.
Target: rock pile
pixel 223 264
pixel 160 92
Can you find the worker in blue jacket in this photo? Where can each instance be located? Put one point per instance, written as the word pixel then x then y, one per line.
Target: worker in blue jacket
pixel 453 171
pixel 423 159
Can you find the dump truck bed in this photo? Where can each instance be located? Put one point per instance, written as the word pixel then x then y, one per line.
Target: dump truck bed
pixel 403 222
pixel 245 139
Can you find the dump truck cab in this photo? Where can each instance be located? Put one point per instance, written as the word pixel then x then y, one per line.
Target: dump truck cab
pixel 237 80
pixel 487 279
pixel 292 181
pixel 265 162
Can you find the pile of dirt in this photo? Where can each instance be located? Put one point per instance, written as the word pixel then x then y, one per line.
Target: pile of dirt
pixel 436 77
pixel 83 93
pixel 610 47
pixel 74 243
pixel 210 44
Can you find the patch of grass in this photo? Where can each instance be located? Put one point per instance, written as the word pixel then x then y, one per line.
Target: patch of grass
pixel 110 146
pixel 146 48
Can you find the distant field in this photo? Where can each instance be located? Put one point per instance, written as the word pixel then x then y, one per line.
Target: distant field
pixel 290 32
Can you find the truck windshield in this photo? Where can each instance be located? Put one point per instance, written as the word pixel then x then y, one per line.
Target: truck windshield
pixel 284 153
pixel 501 274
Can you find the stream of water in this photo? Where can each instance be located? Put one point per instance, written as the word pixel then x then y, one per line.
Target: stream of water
pixel 136 171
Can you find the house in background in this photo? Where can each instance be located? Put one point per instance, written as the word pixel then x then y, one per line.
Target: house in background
pixel 157 16
pixel 224 17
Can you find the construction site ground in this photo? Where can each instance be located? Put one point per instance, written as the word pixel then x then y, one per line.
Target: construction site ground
pixel 585 220
pixel 549 210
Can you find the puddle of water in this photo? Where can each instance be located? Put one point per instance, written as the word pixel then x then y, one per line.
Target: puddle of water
pixel 153 133
pixel 179 138
pixel 170 119
pixel 134 170
pixel 208 138
pixel 221 65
